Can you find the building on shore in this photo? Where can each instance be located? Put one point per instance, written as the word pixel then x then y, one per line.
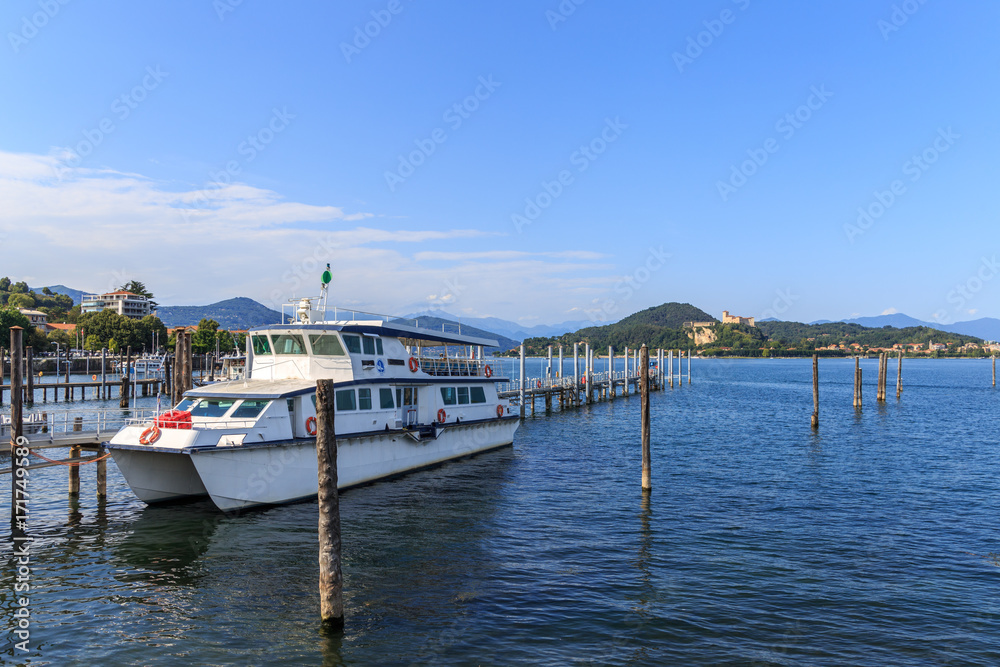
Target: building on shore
pixel 36 317
pixel 124 303
pixel 702 332
pixel 735 319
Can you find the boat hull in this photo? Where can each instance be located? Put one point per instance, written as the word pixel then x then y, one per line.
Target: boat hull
pixel 155 476
pixel 248 476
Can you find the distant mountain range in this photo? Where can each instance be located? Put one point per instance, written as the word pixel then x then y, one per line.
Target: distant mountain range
pixel 75 294
pixel 987 328
pixel 232 314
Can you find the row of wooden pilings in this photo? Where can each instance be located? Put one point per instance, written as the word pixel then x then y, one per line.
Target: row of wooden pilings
pixel 593 390
pixel 102 387
pixel 881 385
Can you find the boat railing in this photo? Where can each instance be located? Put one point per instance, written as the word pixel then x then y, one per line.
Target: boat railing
pixel 442 366
pixel 66 422
pixel 201 423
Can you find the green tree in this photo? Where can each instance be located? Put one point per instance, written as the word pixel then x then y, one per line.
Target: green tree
pixel 204 338
pixel 4 284
pixel 19 288
pixel 108 325
pixel 21 300
pixel 151 328
pixel 46 291
pixel 9 317
pixel 64 339
pixel 93 343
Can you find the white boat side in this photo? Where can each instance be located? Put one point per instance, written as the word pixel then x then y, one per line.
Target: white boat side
pixel 398 409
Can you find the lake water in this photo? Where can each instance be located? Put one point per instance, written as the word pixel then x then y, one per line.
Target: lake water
pixel 873 541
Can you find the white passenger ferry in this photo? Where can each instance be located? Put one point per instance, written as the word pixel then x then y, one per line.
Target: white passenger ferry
pixel 406 398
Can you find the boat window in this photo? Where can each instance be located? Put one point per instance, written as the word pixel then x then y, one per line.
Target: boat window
pixel 364 399
pixel 378 345
pixel 212 407
pixel 289 344
pixel 463 395
pixel 385 399
pixel 448 395
pixel 345 400
pixel 184 405
pixel 250 409
pixel 478 395
pixel 326 346
pixel 369 345
pixel 261 345
pixel 353 344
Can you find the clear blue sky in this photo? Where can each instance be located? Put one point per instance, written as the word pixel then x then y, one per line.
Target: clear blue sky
pixel 258 140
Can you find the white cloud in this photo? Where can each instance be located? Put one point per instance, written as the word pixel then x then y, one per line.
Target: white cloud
pixel 88 228
pixel 889 311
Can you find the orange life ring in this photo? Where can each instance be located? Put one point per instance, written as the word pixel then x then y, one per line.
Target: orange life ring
pixel 311 426
pixel 442 416
pixel 585 379
pixel 499 411
pixel 539 384
pixel 414 365
pixel 488 372
pixel 149 436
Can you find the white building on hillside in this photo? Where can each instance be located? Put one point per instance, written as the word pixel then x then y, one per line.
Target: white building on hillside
pixel 124 303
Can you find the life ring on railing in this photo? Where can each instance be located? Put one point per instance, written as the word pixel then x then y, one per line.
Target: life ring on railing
pixel 149 436
pixel 311 426
pixel 499 411
pixel 442 416
pixel 488 372
pixel 538 384
pixel 414 365
pixel 585 379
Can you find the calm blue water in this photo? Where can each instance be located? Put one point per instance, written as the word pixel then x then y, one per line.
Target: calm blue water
pixel 871 542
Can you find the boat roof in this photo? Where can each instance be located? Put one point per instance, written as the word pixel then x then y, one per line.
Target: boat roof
pixel 408 334
pixel 253 388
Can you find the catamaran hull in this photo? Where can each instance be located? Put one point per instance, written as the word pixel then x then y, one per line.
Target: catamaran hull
pixel 156 477
pixel 242 477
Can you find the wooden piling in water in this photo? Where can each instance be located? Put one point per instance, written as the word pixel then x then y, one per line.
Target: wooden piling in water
pixel 857 375
pixel 29 365
pixel 68 365
pixel 815 415
pixel 74 453
pixel 689 367
pixel 899 374
pixel 670 368
pixel 18 510
pixel 611 371
pixel 104 366
pixel 523 381
pixel 647 475
pixel 576 374
pixel 994 370
pixel 123 400
pixel 331 578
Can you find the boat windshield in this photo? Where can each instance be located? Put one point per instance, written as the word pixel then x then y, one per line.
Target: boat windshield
pixel 250 409
pixel 212 407
pixel 289 344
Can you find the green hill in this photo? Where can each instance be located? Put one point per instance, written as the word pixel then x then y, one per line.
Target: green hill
pixel 235 314
pixel 660 326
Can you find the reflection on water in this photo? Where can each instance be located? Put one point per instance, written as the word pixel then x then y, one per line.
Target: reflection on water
pixel 763 542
